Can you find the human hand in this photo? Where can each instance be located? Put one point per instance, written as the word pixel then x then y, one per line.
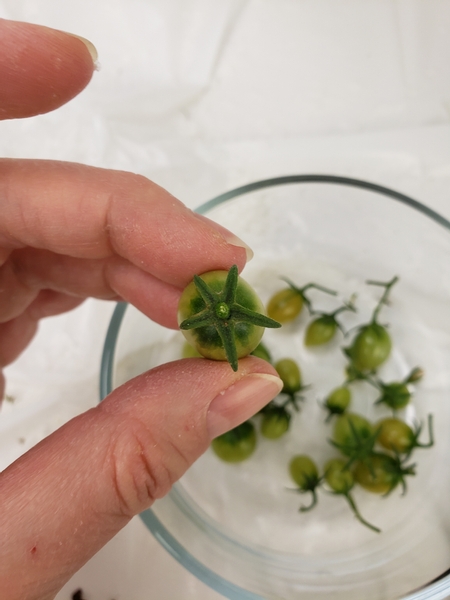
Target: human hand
pixel 68 232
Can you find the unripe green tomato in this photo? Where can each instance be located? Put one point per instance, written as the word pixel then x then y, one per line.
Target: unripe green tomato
pixel 338 400
pixel 350 430
pixel 274 424
pixel 261 352
pixel 371 347
pixel 396 435
pixel 206 340
pixel 320 331
pixel 290 375
pixel 338 477
pixel 303 471
pixel 379 474
pixel 285 305
pixel 236 445
pixel 189 351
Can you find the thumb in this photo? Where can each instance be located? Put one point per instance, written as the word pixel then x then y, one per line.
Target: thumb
pixel 65 498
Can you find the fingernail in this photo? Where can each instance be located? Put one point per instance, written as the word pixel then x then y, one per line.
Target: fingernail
pixel 229 237
pixel 241 401
pixel 91 48
pixel 235 241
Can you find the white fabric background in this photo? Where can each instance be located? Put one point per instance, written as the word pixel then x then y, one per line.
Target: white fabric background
pixel 201 96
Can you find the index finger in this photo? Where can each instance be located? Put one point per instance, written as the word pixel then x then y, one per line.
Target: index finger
pixel 91 213
pixel 40 68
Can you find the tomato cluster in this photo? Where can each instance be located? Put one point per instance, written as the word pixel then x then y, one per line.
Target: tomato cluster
pixel 375 456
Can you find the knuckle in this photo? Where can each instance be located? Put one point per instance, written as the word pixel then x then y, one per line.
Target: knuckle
pixel 139 468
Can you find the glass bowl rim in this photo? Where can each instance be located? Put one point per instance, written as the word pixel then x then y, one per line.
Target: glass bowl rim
pixel 435 590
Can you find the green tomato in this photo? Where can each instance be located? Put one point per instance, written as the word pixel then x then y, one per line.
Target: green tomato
pixel 290 375
pixel 320 331
pixel 285 305
pixel 371 347
pixel 262 352
pixel 189 351
pixel 236 445
pixel 354 436
pixel 339 479
pixel 338 400
pixel 304 472
pixel 399 437
pixel 395 435
pixel 275 422
pixel 221 316
pixel 381 473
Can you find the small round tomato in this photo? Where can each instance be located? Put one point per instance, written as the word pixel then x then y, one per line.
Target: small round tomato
pixel 337 476
pixel 371 347
pixel 275 422
pixel 303 471
pixel 221 316
pixel 395 435
pixel 338 400
pixel 354 436
pixel 381 473
pixel 399 437
pixel 261 351
pixel 236 445
pixel 290 375
pixel 285 305
pixel 305 474
pixel 320 331
pixel 189 351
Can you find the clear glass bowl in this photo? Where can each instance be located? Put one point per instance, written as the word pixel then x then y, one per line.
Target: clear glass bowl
pixel 236 527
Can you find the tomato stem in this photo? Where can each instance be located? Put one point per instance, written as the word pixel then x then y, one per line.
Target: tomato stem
pixel 313 502
pixel 384 298
pixel 358 514
pixel 301 291
pixel 430 434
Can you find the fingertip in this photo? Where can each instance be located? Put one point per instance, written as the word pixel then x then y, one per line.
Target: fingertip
pixel 231 238
pixel 240 401
pixel 90 48
pixel 40 68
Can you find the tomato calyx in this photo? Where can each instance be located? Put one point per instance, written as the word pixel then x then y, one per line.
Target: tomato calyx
pixel 396 394
pixel 359 442
pixel 223 312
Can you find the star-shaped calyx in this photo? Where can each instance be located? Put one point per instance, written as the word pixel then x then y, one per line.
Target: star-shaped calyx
pixel 222 312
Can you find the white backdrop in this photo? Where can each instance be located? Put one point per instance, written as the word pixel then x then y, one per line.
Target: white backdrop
pixel 201 96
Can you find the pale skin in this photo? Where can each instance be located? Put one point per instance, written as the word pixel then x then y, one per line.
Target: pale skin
pixel 68 232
